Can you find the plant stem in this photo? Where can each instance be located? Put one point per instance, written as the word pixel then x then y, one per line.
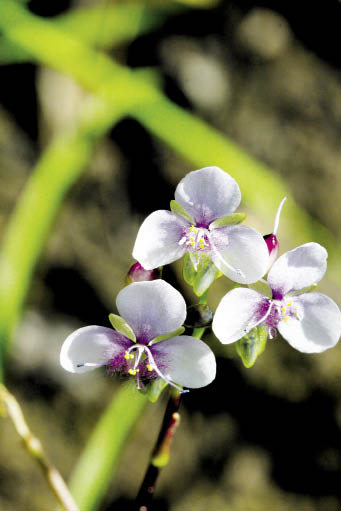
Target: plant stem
pixel 36 451
pixel 161 452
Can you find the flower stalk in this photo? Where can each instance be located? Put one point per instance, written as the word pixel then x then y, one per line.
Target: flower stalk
pixel 36 451
pixel 161 452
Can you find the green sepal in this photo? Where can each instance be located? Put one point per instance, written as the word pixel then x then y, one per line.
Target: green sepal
pixel 205 275
pixel 121 326
pixel 262 287
pixel 235 218
pixel 202 277
pixel 180 210
pixel 154 389
pixel 308 289
pixel 179 331
pixel 252 345
pixel 188 270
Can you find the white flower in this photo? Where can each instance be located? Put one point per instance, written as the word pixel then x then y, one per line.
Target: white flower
pixel 151 309
pixel 206 197
pixel 309 321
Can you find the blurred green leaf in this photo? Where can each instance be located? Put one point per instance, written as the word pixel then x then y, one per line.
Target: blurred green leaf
pixel 103 26
pixel 100 458
pixel 57 170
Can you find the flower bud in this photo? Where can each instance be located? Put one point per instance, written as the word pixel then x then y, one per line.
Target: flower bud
pixel 271 239
pixel 198 316
pixel 272 244
pixel 137 273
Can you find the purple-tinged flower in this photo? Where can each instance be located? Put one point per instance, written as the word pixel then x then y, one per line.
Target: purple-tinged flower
pixel 271 239
pixel 309 321
pixel 204 199
pixel 148 310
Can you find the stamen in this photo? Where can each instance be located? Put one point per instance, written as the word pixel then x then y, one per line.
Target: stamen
pixel 278 214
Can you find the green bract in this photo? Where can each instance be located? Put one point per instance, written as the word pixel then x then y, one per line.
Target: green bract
pixel 121 326
pixel 252 345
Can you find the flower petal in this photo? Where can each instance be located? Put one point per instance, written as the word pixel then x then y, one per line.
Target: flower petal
pixel 157 242
pixel 239 252
pixel 151 308
pixel 239 311
pixel 208 194
pixel 317 325
pixel 93 345
pixel 186 361
pixel 297 269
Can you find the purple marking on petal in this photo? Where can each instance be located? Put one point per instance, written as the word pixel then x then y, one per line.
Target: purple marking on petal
pixel 277 294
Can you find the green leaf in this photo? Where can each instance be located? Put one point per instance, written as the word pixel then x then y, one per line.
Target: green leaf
pixel 188 270
pixel 179 331
pixel 235 218
pixel 252 345
pixel 180 210
pixel 206 274
pixel 122 326
pixel 154 389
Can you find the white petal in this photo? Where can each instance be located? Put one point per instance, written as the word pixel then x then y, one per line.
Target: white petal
pixel 239 252
pixel 299 268
pixel 186 361
pixel 93 345
pixel 317 326
pixel 151 308
pixel 239 311
pixel 157 242
pixel 208 194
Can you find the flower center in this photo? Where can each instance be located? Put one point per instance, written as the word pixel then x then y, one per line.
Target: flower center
pixel 143 365
pixel 196 239
pixel 279 310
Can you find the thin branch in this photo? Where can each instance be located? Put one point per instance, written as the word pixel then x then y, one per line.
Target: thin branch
pixel 36 451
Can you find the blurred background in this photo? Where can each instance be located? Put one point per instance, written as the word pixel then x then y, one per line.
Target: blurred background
pixel 267 75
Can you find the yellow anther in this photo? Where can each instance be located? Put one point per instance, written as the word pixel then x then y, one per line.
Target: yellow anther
pixel 290 303
pixel 127 356
pixel 132 372
pixel 286 318
pixel 149 367
pixel 191 238
pixel 191 228
pixel 283 309
pixel 131 355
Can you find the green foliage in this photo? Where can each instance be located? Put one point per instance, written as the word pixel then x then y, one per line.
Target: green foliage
pixel 252 345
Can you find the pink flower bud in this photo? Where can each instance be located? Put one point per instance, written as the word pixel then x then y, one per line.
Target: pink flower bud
pixel 137 273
